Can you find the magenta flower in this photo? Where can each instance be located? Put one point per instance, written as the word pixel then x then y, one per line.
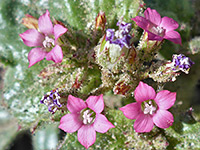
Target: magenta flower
pixel 150 108
pixel 86 118
pixel 45 40
pixel 158 28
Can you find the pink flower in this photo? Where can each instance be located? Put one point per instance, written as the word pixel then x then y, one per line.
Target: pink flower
pixel 150 108
pixel 158 28
pixel 86 118
pixel 45 41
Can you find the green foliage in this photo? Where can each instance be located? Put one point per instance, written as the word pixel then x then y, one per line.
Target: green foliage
pixel 46 137
pixel 8 128
pixel 184 133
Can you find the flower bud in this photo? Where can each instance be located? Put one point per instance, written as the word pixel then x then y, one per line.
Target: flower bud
pixel 121 88
pixel 100 21
pixel 125 85
pixel 30 22
pixel 181 63
pixel 52 101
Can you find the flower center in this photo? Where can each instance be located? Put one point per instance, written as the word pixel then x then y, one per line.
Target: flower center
pixel 48 42
pixel 158 30
pixel 88 116
pixel 149 107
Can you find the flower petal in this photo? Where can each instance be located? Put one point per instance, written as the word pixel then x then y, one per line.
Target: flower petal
pixel 165 99
pixel 169 24
pixel 45 24
pixel 75 104
pixel 143 123
pixel 101 124
pixel 141 22
pixel 35 55
pixel 56 54
pixel 59 30
pixel 163 119
pixel 173 36
pixel 152 36
pixel 70 123
pixel 32 38
pixel 87 135
pixel 144 92
pixel 131 111
pixel 96 103
pixel 153 16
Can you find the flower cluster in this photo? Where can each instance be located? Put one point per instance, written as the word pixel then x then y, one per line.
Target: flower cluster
pixel 46 41
pixel 52 100
pixel 85 117
pixel 120 37
pixel 181 63
pixel 158 28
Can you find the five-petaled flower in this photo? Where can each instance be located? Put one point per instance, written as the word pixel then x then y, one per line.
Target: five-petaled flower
pixel 158 28
pixel 85 117
pixel 45 40
pixel 150 108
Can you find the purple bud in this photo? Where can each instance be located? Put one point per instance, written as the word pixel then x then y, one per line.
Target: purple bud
pixel 110 33
pixel 124 41
pixel 52 101
pixel 120 37
pixel 125 27
pixel 181 62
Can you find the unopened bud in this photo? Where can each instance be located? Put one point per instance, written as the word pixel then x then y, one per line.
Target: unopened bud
pixel 30 22
pixel 100 21
pixel 121 88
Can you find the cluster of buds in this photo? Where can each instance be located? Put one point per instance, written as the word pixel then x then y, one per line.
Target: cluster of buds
pixel 52 100
pixel 181 63
pixel 120 37
pixel 114 48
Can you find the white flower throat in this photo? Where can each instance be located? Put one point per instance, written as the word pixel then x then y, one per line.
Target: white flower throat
pixel 48 42
pixel 148 108
pixel 158 30
pixel 88 117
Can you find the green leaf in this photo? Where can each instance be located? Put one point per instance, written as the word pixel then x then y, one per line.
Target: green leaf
pixel 46 138
pixel 189 138
pixel 8 128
